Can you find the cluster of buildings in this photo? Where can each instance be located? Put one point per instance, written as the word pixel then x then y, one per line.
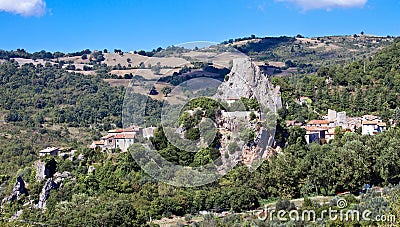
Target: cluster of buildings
pixel 122 138
pixel 324 130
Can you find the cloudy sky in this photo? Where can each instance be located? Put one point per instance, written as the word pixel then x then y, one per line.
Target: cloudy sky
pixel 71 25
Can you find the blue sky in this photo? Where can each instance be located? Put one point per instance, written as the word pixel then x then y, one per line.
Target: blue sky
pixel 72 25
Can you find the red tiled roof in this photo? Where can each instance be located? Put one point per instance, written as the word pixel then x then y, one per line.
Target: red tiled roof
pixel 118 130
pixel 125 136
pixel 382 124
pixel 314 128
pixel 318 122
pixel 370 122
pixel 121 130
pixel 107 137
pixel 98 142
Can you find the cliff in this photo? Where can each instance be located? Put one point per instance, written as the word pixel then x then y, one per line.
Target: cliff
pixel 247 80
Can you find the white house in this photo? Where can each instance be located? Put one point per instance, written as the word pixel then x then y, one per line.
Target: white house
pixel 123 141
pixel 373 127
pixel 49 151
pixel 122 138
pixel 97 144
pixel 315 133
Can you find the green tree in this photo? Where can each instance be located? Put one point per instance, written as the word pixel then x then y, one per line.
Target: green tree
pixel 166 90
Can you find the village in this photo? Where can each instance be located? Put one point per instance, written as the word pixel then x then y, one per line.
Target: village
pixel 317 131
pixel 230 123
pixel 323 131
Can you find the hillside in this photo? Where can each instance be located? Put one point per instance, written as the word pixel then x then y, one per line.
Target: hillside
pixel 50 102
pixel 286 55
pixel 301 54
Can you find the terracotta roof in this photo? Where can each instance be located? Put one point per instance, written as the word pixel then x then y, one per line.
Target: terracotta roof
pixel 121 130
pixel 98 142
pixel 370 122
pixel 125 136
pixel 382 124
pixel 315 129
pixel 318 122
pixel 107 137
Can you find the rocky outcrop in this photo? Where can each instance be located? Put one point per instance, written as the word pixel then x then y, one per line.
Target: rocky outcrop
pixel 51 184
pixel 40 170
pixel 247 80
pixel 60 177
pixel 45 170
pixel 44 195
pixel 18 190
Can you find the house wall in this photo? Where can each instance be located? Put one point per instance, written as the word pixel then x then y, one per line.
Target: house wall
pixel 311 138
pixel 123 144
pixel 368 129
pixel 381 128
pixel 109 143
pixel 329 137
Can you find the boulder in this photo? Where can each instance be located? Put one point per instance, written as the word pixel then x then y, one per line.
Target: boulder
pixel 18 189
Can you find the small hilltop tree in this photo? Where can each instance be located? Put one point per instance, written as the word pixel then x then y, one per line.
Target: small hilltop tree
pixel 166 91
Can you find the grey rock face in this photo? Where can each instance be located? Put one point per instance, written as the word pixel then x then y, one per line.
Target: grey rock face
pixel 18 190
pixel 44 170
pixel 51 184
pixel 41 170
pixel 44 195
pixel 247 80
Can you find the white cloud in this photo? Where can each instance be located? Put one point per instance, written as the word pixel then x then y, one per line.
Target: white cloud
pixel 24 7
pixel 326 4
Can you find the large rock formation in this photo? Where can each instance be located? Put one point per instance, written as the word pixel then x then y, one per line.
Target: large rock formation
pixel 44 195
pixel 18 190
pixel 247 80
pixel 40 170
pixel 51 184
pixel 45 170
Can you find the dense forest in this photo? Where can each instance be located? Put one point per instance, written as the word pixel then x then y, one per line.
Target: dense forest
pixel 44 105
